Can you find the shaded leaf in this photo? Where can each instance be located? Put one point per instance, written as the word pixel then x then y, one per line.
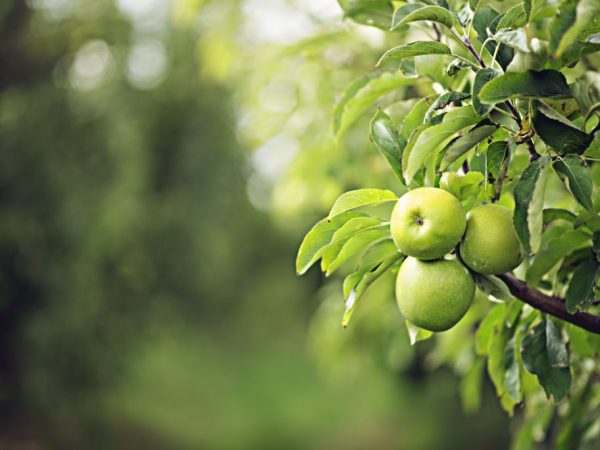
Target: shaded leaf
pixel 456 65
pixel 513 38
pixel 558 132
pixel 552 214
pixel 497 153
pixel 488 18
pixel 482 77
pixel 389 141
pixel 556 381
pixel 529 202
pixel 581 287
pixel 512 376
pixel 444 100
pixel 578 177
pixel 466 142
pixel 528 84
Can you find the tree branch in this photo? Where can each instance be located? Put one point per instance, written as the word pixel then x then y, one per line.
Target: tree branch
pixel 554 306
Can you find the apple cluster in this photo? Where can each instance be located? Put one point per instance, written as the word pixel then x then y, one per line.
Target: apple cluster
pixel 434 290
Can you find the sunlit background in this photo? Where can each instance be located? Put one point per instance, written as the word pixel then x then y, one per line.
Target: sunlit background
pixel 159 163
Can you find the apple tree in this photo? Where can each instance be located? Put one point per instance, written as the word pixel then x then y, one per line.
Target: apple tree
pixel 500 106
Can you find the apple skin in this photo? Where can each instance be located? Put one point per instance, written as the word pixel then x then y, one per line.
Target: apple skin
pixel 434 295
pixel 491 244
pixel 427 223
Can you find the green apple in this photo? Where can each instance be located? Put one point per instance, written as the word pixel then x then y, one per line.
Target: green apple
pixel 434 295
pixel 427 223
pixel 491 245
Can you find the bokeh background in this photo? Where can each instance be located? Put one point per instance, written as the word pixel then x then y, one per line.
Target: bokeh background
pixel 160 161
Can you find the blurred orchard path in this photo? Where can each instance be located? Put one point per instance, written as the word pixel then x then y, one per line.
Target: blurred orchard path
pixel 146 256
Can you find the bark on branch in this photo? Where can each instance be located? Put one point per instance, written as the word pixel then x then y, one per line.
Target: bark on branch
pixel 554 306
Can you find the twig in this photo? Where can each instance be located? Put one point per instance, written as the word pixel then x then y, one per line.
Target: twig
pixel 555 306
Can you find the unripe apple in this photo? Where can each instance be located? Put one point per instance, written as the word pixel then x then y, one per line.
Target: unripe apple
pixel 491 245
pixel 427 223
pixel 434 295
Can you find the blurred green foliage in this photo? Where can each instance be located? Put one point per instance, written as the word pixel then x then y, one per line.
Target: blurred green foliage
pixel 145 302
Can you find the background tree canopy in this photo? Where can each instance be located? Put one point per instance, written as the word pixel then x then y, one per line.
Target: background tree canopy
pixel 160 163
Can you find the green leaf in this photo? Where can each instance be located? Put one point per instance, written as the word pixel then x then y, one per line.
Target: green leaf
pixel 493 320
pixel 529 202
pixel 566 14
pixel 365 282
pixel 359 198
pixel 586 91
pixel 577 21
pixel 528 84
pixel 466 142
pixel 482 77
pixel 573 53
pixel 552 214
pixel 404 11
pixel 464 15
pixel 376 13
pixel 558 132
pixel 473 4
pixel 415 117
pixel 493 287
pixel 527 6
pixel 341 236
pixel 389 141
pixel 416 334
pixel 414 49
pixel 444 100
pixel 552 252
pixel 495 358
pixel 512 376
pixel 456 65
pixel 360 95
pixel 471 387
pixel 514 18
pixel 497 153
pixel 424 145
pixel 578 177
pixel 513 38
pixel 488 18
pixel 581 287
pixel 465 188
pixel 537 360
pixel 558 355
pixel 318 238
pixel 356 245
pixel 430 13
